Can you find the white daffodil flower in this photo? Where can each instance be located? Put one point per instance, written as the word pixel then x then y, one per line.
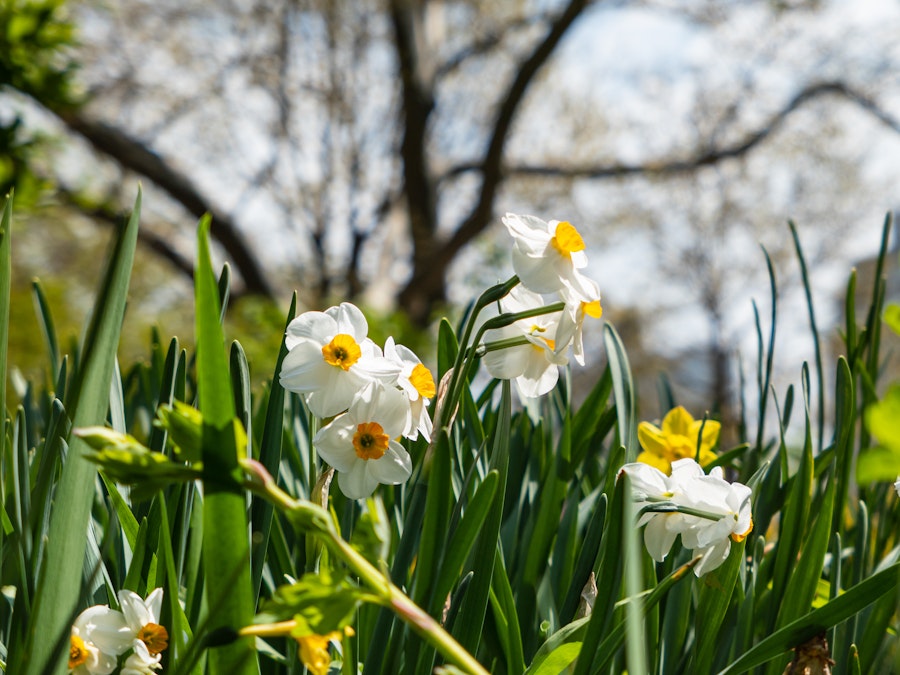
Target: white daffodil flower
pixel 143 619
pixel 650 486
pixel 99 635
pixel 571 323
pixel 713 494
pixel 360 443
pixel 418 384
pixel 712 512
pixel 141 661
pixel 547 256
pixel 533 361
pixel 330 358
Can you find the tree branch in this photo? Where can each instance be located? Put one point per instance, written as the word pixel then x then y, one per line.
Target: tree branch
pixel 418 187
pixel 701 159
pixel 426 285
pixel 135 156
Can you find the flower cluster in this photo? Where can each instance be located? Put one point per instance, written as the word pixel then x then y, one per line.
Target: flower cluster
pixel 681 437
pixel 706 510
pixel 100 635
pixel 374 396
pixel 548 259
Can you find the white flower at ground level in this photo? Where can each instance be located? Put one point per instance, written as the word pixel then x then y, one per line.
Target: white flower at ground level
pixel 360 443
pixel 418 384
pixel 143 619
pixel 330 358
pixel 897 485
pixel 533 362
pixel 547 256
pixel 141 661
pixel 99 635
pixel 724 511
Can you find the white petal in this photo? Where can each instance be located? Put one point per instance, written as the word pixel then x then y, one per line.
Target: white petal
pixel 658 538
pixel 136 612
pixel 315 326
pixel 350 320
pixel 357 483
pixel 393 467
pixel 713 556
pixel 506 364
pixel 334 443
pixel 304 369
pixel 106 628
pixel 533 384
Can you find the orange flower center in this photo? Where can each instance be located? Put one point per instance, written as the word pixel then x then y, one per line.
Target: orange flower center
pixel 566 240
pixel 421 379
pixel 370 441
pixel 156 637
pixel 78 653
pixel 342 351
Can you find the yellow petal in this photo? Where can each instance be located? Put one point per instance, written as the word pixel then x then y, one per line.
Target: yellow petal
pixel 656 461
pixel 678 421
pixel 710 433
pixel 652 439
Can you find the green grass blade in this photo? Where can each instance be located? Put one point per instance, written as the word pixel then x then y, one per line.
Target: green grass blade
pixel 5 288
pixel 270 448
pixel 472 614
pixel 623 390
pixel 88 402
pixel 832 613
pixel 48 330
pixel 226 552
pixel 804 274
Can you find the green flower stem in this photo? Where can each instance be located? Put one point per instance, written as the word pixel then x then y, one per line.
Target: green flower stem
pixel 467 356
pixel 317 520
pixel 492 294
pixel 658 505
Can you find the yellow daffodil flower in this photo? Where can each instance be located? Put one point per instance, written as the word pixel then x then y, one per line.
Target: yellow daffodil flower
pixel 677 439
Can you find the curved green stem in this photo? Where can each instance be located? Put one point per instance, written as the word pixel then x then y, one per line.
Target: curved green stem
pixel 315 519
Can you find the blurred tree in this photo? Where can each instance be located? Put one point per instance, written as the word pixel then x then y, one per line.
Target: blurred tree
pixel 354 149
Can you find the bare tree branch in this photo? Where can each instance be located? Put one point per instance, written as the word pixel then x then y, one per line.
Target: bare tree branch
pixel 110 216
pixel 703 158
pixel 426 286
pixel 417 100
pixel 133 155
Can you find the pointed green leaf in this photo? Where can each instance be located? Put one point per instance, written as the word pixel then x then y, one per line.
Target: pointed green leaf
pixel 88 402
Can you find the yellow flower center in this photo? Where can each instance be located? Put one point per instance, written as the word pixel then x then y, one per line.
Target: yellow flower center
pixel 314 653
pixel 370 441
pixel 740 537
pixel 156 637
pixel 342 351
pixel 592 309
pixel 78 653
pixel 567 240
pixel 421 379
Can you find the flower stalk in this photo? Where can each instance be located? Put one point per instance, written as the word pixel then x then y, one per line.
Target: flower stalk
pixel 315 519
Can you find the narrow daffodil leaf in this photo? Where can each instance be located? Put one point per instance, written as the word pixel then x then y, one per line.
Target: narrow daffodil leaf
pixel 226 549
pixel 88 402
pixel 797 632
